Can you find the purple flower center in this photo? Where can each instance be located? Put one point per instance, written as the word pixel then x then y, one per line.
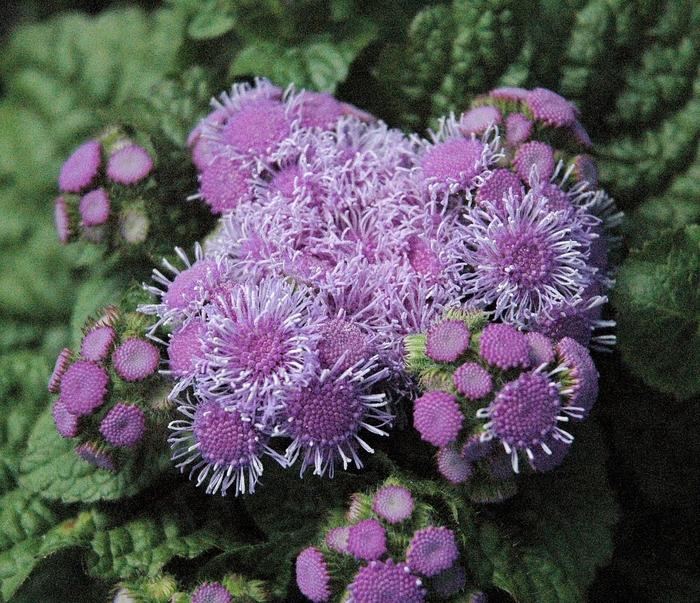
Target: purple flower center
pixel 224 437
pixel 525 259
pixel 326 412
pixel 525 410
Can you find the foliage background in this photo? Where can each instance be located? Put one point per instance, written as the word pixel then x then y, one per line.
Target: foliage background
pixel 632 66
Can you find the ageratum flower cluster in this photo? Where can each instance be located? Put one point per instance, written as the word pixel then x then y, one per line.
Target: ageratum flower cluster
pixel 337 238
pixel 99 402
pixel 101 183
pixel 492 389
pixel 357 556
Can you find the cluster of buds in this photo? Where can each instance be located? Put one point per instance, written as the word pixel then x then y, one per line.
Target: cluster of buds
pixel 101 401
pixel 102 187
pixel 493 393
pixel 386 542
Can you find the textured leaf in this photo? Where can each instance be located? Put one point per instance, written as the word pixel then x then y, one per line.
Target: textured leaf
pixel 29 530
pixel 51 469
pixel 556 533
pixel 144 546
pixel 319 65
pixel 658 308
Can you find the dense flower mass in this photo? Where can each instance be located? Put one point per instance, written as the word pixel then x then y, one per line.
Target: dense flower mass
pixel 338 238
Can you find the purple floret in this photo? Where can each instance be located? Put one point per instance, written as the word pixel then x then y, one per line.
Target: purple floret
pixel 432 550
pixel 81 167
pixel 393 504
pixel 501 185
pixel 503 346
pixel 84 387
pixel 60 367
pixel 580 377
pixel 97 342
pixel 211 592
pixel 472 380
pixel 518 129
pixel 384 582
pixel 93 454
pixel 66 422
pixel 94 207
pixel 135 359
pixel 124 425
pixel 550 108
pixel 312 575
pixel 536 156
pixel 447 340
pixel 129 165
pixel 437 417
pixel 367 540
pixel 453 466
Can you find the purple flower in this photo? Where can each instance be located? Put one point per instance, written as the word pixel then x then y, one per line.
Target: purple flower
pixel 219 445
pixel 525 412
pixel 550 108
pixel 534 160
pixel 579 376
pixel 453 466
pixel 211 592
pixel 432 550
pixel 225 182
pixel 313 579
pixel 500 185
pixel 541 349
pixel 525 259
pixel 379 580
pixel 447 340
pixel 393 504
pixel 96 456
pixel 81 167
pixel 472 380
pixel 257 127
pixel 129 165
pixel 319 110
pixel 135 359
pixel 437 417
pixel 61 365
pixel 97 343
pixel 94 207
pixel 503 346
pixel 124 425
pixel 66 422
pixel 453 165
pixel 367 540
pixel 185 349
pixel 84 387
pixel 344 341
pixel 479 119
pixel 258 344
pixel 62 220
pixel 324 418
pixel 337 539
pixel 518 129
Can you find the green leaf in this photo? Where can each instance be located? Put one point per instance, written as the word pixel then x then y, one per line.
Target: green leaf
pixel 144 545
pixel 29 531
pixel 51 469
pixel 319 64
pixel 657 298
pixel 210 22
